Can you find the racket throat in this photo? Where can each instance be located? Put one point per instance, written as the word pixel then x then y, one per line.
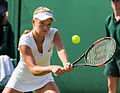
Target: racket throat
pixel 84 65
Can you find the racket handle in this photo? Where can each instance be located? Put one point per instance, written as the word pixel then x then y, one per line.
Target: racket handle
pixel 55 74
pixel 72 66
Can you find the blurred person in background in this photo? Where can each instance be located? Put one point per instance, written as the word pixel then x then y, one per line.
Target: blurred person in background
pixel 3 26
pixel 112 69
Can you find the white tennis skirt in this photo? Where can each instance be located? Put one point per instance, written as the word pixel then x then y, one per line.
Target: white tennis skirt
pixel 25 82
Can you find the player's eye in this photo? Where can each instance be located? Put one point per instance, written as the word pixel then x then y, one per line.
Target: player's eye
pixel 49 24
pixel 41 23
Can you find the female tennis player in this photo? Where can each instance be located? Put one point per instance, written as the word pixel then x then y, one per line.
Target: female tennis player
pixel 33 72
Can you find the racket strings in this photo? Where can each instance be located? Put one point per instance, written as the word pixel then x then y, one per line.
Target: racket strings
pixel 101 52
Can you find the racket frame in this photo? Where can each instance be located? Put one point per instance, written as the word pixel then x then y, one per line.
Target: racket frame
pixel 84 55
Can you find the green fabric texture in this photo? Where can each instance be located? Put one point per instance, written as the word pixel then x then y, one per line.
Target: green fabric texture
pixel 4 41
pixel 113 30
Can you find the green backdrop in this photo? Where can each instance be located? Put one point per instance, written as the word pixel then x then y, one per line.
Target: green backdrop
pixel 84 18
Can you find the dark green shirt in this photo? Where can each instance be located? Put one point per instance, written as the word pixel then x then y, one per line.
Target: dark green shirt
pixel 113 30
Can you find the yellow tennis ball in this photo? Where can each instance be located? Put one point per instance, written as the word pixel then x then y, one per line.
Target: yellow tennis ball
pixel 75 39
pixel 88 58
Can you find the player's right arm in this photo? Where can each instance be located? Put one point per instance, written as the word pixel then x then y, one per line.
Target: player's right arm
pixel 34 68
pixel 61 52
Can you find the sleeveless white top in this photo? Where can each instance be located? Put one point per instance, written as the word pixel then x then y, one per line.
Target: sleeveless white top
pixel 22 79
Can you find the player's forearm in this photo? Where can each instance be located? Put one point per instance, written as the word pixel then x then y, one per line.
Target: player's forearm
pixel 63 56
pixel 40 70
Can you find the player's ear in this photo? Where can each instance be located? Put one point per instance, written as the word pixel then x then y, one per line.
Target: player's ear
pixel 33 21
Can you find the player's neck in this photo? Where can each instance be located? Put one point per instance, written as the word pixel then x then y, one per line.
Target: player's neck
pixel 38 38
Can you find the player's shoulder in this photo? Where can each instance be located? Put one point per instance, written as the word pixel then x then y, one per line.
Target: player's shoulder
pixel 52 31
pixel 26 36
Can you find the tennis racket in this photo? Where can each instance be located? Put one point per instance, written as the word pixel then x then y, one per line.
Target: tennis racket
pixel 99 53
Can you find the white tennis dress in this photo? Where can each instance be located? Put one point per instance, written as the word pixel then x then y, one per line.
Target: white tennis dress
pixel 22 79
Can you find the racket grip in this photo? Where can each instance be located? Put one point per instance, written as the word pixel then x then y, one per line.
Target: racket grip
pixel 55 74
pixel 72 66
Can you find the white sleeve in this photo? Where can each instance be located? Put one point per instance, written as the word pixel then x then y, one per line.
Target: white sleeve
pixel 53 31
pixel 25 40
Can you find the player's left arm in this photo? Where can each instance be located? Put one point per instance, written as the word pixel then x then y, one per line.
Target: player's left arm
pixel 61 51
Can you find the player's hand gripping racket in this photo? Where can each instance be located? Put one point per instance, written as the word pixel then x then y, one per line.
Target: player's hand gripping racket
pixel 99 53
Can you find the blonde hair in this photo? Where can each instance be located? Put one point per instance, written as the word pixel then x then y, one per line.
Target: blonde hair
pixel 38 10
pixel 42 9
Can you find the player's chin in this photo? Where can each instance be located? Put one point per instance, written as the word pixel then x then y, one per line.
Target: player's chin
pixel 44 33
